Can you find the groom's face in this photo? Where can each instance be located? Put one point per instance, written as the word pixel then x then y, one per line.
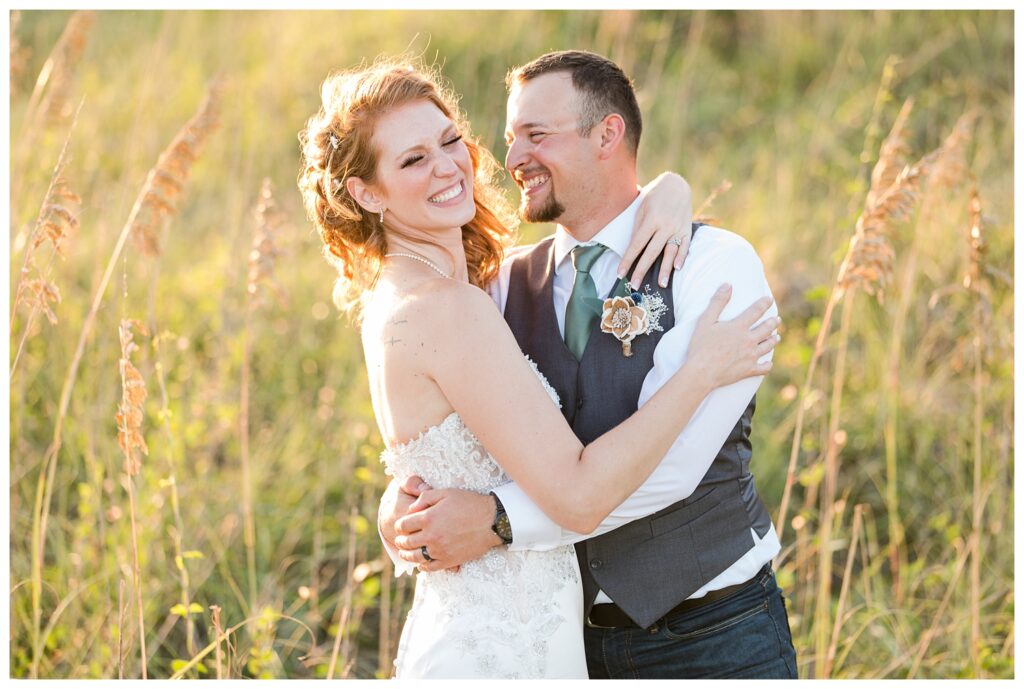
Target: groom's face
pixel 547 157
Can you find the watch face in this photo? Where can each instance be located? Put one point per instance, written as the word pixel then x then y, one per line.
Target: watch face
pixel 504 528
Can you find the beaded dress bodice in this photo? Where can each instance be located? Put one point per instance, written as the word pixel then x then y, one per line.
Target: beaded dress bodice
pixel 501 611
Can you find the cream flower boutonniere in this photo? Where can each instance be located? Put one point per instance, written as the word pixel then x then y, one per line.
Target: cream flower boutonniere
pixel 625 317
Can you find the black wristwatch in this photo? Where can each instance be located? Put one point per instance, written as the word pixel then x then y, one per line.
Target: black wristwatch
pixel 501 526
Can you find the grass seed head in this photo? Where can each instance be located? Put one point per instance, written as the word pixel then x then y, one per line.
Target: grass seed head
pixel 57 74
pixel 270 221
pixel 950 168
pixel 166 181
pixel 133 395
pixel 892 156
pixel 700 215
pixel 56 221
pixel 976 242
pixel 891 197
pixel 39 294
pixel 869 260
pixel 19 52
pixel 54 224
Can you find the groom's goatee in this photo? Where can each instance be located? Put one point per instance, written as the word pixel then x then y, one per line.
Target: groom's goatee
pixel 549 212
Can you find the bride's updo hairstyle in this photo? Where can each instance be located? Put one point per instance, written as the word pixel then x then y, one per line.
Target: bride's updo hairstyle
pixel 337 144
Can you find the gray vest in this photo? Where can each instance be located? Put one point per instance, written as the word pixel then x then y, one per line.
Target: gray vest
pixel 652 564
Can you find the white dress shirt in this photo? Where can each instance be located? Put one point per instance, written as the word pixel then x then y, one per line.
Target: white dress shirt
pixel 716 256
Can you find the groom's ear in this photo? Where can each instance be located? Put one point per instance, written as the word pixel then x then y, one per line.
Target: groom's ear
pixel 611 132
pixel 365 195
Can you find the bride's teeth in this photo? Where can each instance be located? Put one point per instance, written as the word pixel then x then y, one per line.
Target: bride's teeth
pixel 535 182
pixel 448 195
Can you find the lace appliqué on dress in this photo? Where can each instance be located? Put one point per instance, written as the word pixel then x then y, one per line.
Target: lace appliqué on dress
pixel 501 609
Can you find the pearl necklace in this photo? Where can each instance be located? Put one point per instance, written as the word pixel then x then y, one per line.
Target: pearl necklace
pixel 421 260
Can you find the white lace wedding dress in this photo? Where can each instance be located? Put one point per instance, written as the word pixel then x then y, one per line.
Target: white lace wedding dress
pixel 510 614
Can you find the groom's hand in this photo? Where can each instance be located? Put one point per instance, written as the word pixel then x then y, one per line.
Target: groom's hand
pixel 455 525
pixel 395 504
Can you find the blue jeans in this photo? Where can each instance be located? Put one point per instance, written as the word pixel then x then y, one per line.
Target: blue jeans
pixel 744 635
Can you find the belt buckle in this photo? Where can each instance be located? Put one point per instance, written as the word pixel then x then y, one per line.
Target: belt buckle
pixel 593 625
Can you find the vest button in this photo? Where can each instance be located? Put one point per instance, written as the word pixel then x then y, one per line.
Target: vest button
pixel 579 403
pixel 595 564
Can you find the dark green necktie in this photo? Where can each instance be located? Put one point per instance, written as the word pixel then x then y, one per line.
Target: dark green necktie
pixel 579 319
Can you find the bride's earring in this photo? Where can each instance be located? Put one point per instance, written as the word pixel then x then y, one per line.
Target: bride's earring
pixel 382 216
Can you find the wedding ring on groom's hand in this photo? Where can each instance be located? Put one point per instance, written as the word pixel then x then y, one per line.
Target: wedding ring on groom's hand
pixel 426 555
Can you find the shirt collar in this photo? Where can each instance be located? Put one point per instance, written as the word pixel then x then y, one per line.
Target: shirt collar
pixel 615 235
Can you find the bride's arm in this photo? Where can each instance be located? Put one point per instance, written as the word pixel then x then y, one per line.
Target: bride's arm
pixel 665 213
pixel 457 527
pixel 691 455
pixel 478 366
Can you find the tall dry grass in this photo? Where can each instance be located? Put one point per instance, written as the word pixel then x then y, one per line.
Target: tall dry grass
pixel 166 180
pixel 172 166
pixel 894 196
pixel 269 223
pixel 701 213
pixel 54 225
pixel 49 100
pixel 868 267
pixel 131 440
pixel 19 52
pixel 50 103
pixel 976 283
pixel 185 608
pixel 946 176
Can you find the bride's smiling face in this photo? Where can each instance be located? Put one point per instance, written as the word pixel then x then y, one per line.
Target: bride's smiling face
pixel 424 177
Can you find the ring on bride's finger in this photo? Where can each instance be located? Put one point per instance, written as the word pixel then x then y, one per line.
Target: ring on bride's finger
pixel 677 241
pixel 426 555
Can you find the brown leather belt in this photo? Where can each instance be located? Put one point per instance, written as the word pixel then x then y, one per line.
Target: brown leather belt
pixel 609 615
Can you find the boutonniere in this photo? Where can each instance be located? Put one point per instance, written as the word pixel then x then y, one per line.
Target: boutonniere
pixel 627 315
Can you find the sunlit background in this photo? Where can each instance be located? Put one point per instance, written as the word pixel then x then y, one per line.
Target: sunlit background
pixel 247 531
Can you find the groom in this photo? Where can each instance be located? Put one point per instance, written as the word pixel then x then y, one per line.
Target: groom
pixel 677 581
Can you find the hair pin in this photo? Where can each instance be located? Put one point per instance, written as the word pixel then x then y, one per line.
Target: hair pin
pixel 334 142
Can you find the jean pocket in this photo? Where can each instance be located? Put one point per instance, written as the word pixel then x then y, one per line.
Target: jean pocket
pixel 776 668
pixel 680 631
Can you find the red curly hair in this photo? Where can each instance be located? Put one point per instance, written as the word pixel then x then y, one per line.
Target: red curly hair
pixel 336 144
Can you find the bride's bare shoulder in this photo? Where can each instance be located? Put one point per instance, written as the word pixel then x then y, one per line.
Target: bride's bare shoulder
pixel 443 295
pixel 437 307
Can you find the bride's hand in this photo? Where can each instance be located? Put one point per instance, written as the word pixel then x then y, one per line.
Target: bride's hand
pixel 665 213
pixel 728 351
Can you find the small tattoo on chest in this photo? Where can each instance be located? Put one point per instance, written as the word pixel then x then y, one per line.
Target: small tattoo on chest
pixel 394 322
pixel 392 341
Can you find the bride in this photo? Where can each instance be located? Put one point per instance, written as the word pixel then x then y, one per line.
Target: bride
pixel 403 199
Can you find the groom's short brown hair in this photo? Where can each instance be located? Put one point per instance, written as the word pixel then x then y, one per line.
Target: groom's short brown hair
pixel 601 86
